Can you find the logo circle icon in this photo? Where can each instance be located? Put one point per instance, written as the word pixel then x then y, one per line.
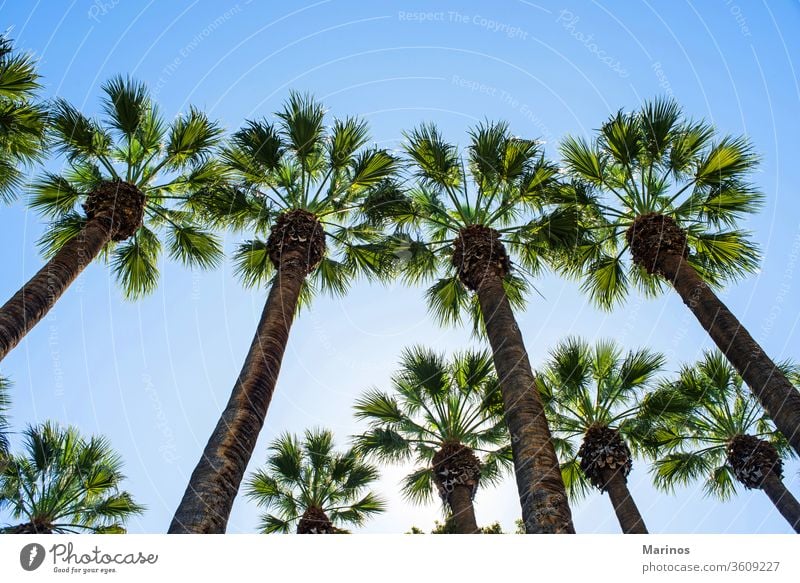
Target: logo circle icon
pixel 31 556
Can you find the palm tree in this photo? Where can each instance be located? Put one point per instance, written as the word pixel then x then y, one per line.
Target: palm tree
pixel 312 488
pixel 63 483
pixel 593 394
pixel 726 438
pixel 22 121
pixel 303 188
pixel 440 415
pixel 672 192
pixel 460 224
pixel 126 179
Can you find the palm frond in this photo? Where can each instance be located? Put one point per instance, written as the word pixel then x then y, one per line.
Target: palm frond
pixel 252 263
pixel 193 245
pixel 135 263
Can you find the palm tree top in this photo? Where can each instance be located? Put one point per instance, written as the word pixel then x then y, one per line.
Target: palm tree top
pixel 298 163
pixel 500 172
pixel 597 384
pixel 723 410
pixel 310 474
pixel 132 144
pixel 435 402
pixel 65 483
pixel 588 387
pixel 502 184
pixel 656 161
pixel 22 120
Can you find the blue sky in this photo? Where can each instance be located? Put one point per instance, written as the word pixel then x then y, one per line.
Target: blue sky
pixel 153 375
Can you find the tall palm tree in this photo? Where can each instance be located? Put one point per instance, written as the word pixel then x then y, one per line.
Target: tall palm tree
pixel 464 224
pixel 303 189
pixel 672 191
pixel 440 415
pixel 727 438
pixel 312 488
pixel 22 120
pixel 127 178
pixel 63 483
pixel 593 394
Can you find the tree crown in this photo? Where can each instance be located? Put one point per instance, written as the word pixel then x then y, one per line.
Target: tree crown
pixel 434 401
pixel 504 183
pixel 22 119
pixel 296 162
pixel 309 473
pixel 167 162
pixel 67 482
pixel 655 160
pixel 585 386
pixel 722 409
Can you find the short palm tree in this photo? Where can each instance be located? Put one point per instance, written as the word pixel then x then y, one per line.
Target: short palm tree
pixel 127 179
pixel 63 483
pixel 594 395
pixel 725 439
pixel 442 415
pixel 302 189
pixel 672 191
pixel 312 488
pixel 479 227
pixel 22 120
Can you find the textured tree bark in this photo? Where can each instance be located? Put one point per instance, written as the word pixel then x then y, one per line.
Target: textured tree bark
pixel 783 500
pixel 315 521
pixel 31 303
pixel 208 499
pixel 776 394
pixel 30 528
pixel 541 489
pixel 463 510
pixel 630 520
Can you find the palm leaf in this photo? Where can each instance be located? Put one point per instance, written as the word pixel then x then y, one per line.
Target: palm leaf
pixel 134 263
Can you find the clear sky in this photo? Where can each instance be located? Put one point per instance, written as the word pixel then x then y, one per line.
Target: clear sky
pixel 154 375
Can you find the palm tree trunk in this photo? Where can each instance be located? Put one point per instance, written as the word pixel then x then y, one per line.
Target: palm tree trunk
pixel 783 500
pixel 315 521
pixel 774 391
pixel 31 303
pixel 541 489
pixel 630 520
pixel 208 499
pixel 463 510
